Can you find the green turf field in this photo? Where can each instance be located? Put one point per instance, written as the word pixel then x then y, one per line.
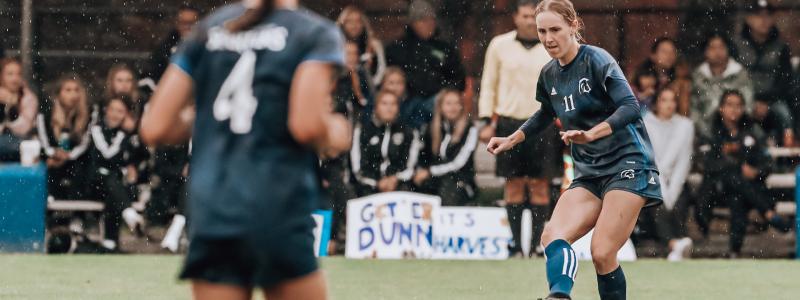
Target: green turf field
pixel 153 277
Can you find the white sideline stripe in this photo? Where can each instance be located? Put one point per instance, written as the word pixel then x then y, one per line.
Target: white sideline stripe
pixel 575 265
pixel 566 261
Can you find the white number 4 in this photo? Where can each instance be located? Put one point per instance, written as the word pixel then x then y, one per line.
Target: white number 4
pixel 568 103
pixel 235 100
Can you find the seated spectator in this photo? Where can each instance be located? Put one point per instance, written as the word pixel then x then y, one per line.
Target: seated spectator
pixel 682 85
pixel 645 85
pixel 736 167
pixel 767 58
pixel 353 94
pixel 777 127
pixel 64 135
pixel 672 136
pixel 18 109
pixel 663 56
pixel 108 158
pixel 447 167
pixel 429 62
pixel 718 73
pixel 415 112
pixel 385 152
pixel 356 29
pixel 121 82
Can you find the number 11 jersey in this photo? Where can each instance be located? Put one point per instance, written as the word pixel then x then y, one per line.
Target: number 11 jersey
pixel 584 93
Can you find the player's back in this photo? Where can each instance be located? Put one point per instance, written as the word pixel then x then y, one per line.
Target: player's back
pixel 246 167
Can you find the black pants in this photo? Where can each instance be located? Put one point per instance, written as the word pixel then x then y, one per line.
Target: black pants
pixel 666 224
pixel 740 194
pixel 168 199
pixel 339 191
pixel 111 190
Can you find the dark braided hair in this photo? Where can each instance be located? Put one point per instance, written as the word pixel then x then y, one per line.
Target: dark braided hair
pixel 251 17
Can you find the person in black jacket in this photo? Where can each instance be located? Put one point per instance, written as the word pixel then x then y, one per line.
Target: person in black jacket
pixel 767 58
pixel 63 130
pixel 430 63
pixel 384 152
pixel 450 142
pixel 736 167
pixel 185 20
pixel 109 155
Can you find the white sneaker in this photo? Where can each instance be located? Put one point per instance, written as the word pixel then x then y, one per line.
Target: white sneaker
pixel 109 244
pixel 172 239
pixel 132 218
pixel 680 250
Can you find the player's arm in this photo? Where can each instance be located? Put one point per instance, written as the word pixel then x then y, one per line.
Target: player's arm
pixel 628 110
pixel 173 98
pixel 311 121
pixel 535 124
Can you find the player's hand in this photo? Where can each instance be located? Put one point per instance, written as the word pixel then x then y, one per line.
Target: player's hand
pixel 487 132
pixel 340 136
pixel 499 145
pixel 749 171
pixel 421 176
pixel 576 136
pixel 388 184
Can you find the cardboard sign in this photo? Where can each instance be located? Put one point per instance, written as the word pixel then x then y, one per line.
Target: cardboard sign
pixel 471 233
pixel 390 225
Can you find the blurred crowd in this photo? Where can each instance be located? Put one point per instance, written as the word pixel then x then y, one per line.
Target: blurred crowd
pixel 415 128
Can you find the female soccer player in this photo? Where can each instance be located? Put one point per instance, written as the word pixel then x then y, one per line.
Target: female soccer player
pixel 615 175
pixel 261 73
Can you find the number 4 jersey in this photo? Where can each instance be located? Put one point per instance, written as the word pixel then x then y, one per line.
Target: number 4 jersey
pixel 246 167
pixel 584 93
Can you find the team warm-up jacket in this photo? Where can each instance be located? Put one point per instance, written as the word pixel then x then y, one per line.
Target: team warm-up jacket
pixel 453 159
pixel 50 143
pixel 382 150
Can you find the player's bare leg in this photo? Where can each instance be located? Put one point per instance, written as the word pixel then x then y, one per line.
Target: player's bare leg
pixel 614 226
pixel 309 287
pixel 203 290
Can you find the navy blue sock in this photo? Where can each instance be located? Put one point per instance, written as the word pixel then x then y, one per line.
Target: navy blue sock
pixel 612 285
pixel 562 265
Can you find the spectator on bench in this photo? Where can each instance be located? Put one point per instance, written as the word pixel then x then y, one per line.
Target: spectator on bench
pixel 767 58
pixel 777 128
pixel 672 136
pixel 356 28
pixel 719 72
pixel 385 152
pixel 18 109
pixel 662 62
pixel 736 167
pixel 109 154
pixel 64 135
pixel 414 112
pixel 121 82
pixel 447 167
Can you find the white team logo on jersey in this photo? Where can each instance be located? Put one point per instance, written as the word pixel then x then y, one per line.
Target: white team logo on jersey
pixel 627 174
pixel 652 180
pixel 553 92
pixel 583 86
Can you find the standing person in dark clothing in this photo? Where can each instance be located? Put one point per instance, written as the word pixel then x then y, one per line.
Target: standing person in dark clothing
pixel 777 129
pixel 108 156
pixel 450 140
pixel 185 20
pixel 260 73
pixel 736 167
pixel 662 61
pixel 429 62
pixel 767 58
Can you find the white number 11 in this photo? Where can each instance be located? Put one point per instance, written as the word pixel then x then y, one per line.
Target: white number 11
pixel 568 103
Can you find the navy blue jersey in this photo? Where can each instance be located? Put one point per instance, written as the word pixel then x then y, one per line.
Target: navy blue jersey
pixel 589 90
pixel 246 167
